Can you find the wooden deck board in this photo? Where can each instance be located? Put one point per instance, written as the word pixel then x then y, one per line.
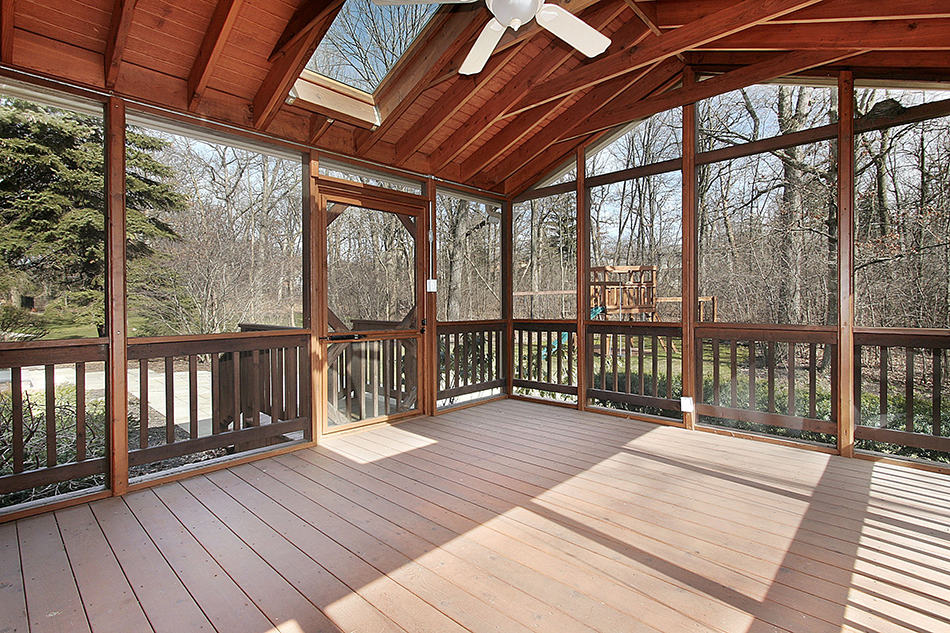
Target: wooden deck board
pixel 509 516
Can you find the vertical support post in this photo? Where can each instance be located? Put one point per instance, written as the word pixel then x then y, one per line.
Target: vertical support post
pixel 690 282
pixel 845 365
pixel 430 339
pixel 117 403
pixel 309 273
pixel 507 291
pixel 583 300
pixel 315 282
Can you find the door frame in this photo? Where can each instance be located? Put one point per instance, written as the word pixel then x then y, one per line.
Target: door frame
pixel 388 201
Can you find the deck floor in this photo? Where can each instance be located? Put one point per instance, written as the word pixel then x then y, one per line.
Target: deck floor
pixel 508 517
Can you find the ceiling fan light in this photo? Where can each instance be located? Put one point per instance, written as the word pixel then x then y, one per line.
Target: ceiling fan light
pixel 514 13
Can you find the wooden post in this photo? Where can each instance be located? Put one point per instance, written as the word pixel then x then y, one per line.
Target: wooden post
pixel 430 339
pixel 116 366
pixel 847 407
pixel 583 299
pixel 690 283
pixel 507 290
pixel 316 242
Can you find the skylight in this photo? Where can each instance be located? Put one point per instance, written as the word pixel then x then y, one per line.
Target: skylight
pixel 366 41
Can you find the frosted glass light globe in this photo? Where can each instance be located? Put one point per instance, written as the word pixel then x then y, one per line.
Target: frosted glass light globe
pixel 514 13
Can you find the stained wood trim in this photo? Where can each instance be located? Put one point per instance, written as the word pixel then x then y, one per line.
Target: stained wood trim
pixel 7 9
pixel 52 474
pixel 621 111
pixel 116 298
pixel 769 419
pixel 582 208
pixel 222 21
pixel 712 27
pixel 287 66
pixel 847 409
pixel 690 249
pixel 310 14
pixel 122 14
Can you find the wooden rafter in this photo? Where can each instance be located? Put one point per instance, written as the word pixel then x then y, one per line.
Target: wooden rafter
pixel 288 66
pixel 305 18
pixel 670 15
pixel 6 31
pixel 222 21
pixel 436 46
pixel 725 22
pixel 628 88
pixel 539 69
pixel 319 124
pixel 449 104
pixel 620 112
pixel 523 126
pixel 122 13
pixel 933 34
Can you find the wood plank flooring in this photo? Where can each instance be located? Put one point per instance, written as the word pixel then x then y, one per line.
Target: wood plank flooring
pixel 506 517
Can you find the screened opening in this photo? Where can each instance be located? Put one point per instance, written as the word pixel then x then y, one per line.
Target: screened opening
pixel 220 226
pixel 545 258
pixel 52 217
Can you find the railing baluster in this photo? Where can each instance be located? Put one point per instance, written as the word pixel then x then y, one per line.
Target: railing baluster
pixel 143 403
pixel 273 383
pixel 570 358
pixel 290 377
pixel 884 354
pixel 858 382
pixel 656 365
pixel 770 360
pixel 715 355
pixel 80 412
pixel 16 387
pixel 935 393
pixel 752 375
pixel 909 389
pixel 603 359
pixel 255 390
pixel 669 367
pixel 374 376
pixel 733 373
pixel 216 403
pixel 614 366
pixel 193 396
pixel 169 400
pixel 790 409
pixel 812 379
pixel 236 386
pixel 457 359
pixel 50 415
pixel 548 351
pixel 387 376
pixel 626 361
pixel 640 365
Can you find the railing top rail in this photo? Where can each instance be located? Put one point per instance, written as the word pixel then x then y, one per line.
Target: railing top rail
pixel 903 337
pixel 825 334
pixel 634 327
pixel 225 336
pixel 51 344
pixel 146 348
pixel 52 353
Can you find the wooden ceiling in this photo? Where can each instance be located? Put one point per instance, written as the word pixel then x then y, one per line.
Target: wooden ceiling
pixel 235 61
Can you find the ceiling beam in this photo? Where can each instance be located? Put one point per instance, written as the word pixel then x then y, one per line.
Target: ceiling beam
pixel 216 36
pixel 933 34
pixel 621 111
pixel 287 68
pixel 714 26
pixel 306 17
pixel 122 12
pixel 435 47
pixel 561 153
pixel 675 13
pixel 451 101
pixel 523 126
pixel 319 124
pixel 537 70
pixel 628 88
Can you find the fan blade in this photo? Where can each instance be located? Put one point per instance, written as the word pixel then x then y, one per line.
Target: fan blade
pixel 390 3
pixel 572 30
pixel 483 48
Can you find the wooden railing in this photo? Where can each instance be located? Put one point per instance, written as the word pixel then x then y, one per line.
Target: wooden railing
pixel 48 444
pixel 769 377
pixel 258 384
pixel 901 381
pixel 635 367
pixel 471 358
pixel 545 356
pixel 367 379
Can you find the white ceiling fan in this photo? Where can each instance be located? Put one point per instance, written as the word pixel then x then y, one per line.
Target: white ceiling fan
pixel 515 14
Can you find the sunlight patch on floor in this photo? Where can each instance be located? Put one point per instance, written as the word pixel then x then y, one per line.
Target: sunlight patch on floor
pixel 413 440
